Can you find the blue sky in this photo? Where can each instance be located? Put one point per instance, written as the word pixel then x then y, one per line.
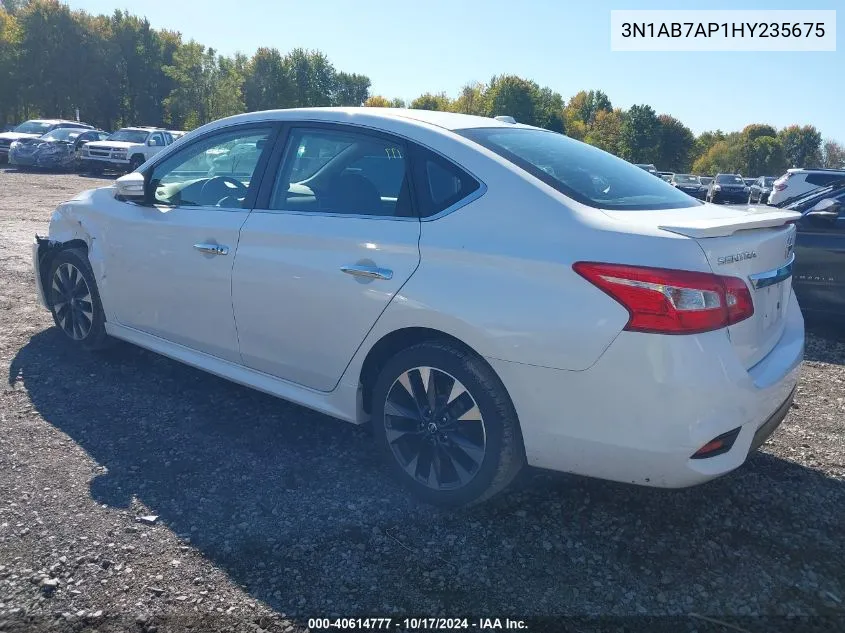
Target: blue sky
pixel 407 48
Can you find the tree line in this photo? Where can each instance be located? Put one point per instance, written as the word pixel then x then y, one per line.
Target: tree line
pixel 118 70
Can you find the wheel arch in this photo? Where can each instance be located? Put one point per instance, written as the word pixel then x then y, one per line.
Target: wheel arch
pixel 47 251
pixel 394 342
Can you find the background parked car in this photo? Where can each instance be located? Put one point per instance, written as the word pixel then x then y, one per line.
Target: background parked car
pixel 689 184
pixel 125 150
pixel 666 175
pixel 796 182
pixel 53 150
pixel 819 275
pixel 33 129
pixel 727 188
pixel 85 138
pixel 705 180
pixel 649 168
pixel 759 190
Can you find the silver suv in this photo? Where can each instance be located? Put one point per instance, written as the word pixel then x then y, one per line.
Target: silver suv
pixel 797 182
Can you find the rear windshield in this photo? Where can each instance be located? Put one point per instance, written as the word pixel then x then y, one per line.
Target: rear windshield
pixel 685 178
pixel 33 127
pixel 580 171
pixel 727 179
pixel 130 136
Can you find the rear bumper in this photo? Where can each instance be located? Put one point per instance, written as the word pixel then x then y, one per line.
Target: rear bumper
pixel 650 402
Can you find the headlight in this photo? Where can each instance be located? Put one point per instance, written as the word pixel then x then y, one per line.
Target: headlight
pixel 13 145
pixel 717 187
pixel 85 151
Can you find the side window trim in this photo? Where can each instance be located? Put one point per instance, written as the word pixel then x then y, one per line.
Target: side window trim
pixel 273 170
pixel 260 168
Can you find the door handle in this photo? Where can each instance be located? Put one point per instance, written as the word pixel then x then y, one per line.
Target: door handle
pixel 370 272
pixel 212 249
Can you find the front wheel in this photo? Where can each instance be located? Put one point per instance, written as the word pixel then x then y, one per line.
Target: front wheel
pixel 136 162
pixel 75 301
pixel 446 425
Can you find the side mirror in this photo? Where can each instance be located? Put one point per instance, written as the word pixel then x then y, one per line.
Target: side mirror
pixel 131 187
pixel 827 209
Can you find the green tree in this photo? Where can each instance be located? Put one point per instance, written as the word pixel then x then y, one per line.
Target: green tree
pixel 675 143
pixel 549 110
pixel 266 82
pixel 606 131
pixel 640 135
pixel 397 102
pixel 722 157
pixel 801 145
pixel 350 89
pixel 430 101
pixel 509 95
pixel 10 35
pixel 765 157
pixel 471 100
pixel 377 101
pixel 834 155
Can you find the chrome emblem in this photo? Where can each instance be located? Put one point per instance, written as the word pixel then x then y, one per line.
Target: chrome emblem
pixel 736 257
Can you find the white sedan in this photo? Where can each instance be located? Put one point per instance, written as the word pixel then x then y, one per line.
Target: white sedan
pixel 486 294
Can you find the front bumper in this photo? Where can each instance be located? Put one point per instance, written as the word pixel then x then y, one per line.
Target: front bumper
pixel 650 402
pixel 102 160
pixel 39 247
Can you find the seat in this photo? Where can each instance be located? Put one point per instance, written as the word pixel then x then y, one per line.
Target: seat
pixel 352 194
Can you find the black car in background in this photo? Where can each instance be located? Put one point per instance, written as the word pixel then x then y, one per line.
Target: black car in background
pixel 759 190
pixel 818 276
pixel 727 188
pixel 689 184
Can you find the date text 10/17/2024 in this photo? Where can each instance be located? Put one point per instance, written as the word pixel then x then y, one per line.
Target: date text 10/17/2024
pixel 418 624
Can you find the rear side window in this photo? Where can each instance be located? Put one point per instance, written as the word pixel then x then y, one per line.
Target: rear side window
pixel 820 180
pixel 440 183
pixel 582 172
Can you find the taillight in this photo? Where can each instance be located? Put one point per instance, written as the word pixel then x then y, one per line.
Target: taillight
pixel 666 301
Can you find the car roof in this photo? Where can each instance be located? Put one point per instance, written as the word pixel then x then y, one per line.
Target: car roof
pixel 446 120
pixel 814 170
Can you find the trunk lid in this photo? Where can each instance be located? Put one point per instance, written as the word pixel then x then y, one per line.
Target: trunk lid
pixel 755 244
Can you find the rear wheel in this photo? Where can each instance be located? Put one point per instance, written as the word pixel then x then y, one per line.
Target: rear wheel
pixel 445 423
pixel 75 301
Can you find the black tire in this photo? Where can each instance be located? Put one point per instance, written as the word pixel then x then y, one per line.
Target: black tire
pixel 94 169
pixel 135 162
pixel 503 451
pixel 77 313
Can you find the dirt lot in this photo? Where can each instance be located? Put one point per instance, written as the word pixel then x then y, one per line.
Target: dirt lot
pixel 268 514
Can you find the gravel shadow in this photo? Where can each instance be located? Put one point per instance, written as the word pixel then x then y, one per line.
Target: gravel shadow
pixel 295 507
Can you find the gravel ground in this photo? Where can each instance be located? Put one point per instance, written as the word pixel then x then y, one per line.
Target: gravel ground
pixel 261 514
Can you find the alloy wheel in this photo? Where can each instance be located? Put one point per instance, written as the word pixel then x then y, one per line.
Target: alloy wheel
pixel 72 303
pixel 434 428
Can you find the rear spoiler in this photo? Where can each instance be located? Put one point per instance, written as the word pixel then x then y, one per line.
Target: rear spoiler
pixel 721 227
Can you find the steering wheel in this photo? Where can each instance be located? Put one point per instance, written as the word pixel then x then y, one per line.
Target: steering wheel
pixel 221 187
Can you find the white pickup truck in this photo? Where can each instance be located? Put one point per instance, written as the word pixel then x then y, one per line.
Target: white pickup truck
pixel 125 150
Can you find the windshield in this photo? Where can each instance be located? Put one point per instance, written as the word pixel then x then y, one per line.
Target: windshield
pixel 33 127
pixel 770 182
pixel 685 178
pixel 62 134
pixel 129 136
pixel 728 179
pixel 705 180
pixel 580 171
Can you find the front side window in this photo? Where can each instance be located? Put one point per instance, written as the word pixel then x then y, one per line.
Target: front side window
pixel 157 140
pixel 214 171
pixel 580 171
pixel 335 171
